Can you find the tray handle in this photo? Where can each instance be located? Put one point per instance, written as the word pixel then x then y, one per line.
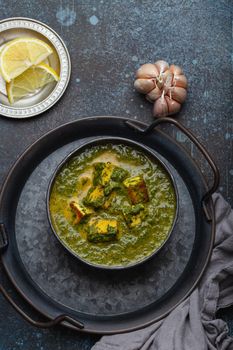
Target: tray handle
pixel 48 324
pixel 202 149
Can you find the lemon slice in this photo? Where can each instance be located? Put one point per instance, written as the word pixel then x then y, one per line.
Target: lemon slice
pixel 2 81
pixel 30 81
pixel 20 54
pixel 1 48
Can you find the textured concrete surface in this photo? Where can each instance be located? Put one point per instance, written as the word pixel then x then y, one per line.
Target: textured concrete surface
pixel 107 41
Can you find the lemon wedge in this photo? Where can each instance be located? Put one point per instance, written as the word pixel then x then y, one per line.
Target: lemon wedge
pixel 2 81
pixel 30 81
pixel 20 54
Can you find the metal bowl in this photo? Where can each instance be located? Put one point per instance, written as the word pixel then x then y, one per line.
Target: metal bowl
pixel 103 141
pixel 46 97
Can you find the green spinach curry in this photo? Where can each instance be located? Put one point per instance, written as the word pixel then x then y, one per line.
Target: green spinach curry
pixel 111 205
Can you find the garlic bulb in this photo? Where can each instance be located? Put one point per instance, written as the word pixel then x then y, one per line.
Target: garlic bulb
pixel 163 85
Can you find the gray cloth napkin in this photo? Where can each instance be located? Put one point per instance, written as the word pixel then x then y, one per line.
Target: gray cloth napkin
pixel 192 325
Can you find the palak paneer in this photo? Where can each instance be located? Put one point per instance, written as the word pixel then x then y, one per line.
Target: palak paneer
pixel 112 205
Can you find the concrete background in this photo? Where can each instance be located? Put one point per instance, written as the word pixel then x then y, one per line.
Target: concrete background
pixel 108 41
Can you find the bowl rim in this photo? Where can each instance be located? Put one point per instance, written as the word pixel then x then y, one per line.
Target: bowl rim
pixel 102 141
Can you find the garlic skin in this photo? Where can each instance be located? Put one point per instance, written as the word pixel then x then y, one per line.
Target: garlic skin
pixel 144 85
pixel 163 85
pixel 160 107
pixel 167 80
pixel 176 70
pixel 173 106
pixel 178 94
pixel 154 94
pixel 162 66
pixel 147 71
pixel 180 80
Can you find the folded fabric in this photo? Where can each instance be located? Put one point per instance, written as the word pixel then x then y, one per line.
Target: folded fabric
pixel 192 325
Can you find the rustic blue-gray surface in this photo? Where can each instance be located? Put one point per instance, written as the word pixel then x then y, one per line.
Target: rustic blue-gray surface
pixel 107 41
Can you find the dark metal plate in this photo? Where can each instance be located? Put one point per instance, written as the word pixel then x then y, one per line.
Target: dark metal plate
pixel 56 283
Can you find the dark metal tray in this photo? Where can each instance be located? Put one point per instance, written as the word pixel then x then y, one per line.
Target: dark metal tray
pixel 65 290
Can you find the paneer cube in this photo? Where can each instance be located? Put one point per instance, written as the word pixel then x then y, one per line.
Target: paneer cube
pixel 134 215
pixel 109 200
pixel 135 221
pixel 119 174
pixel 102 230
pixel 106 172
pixel 80 210
pixel 102 173
pixel 137 189
pixel 95 197
pixel 110 187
